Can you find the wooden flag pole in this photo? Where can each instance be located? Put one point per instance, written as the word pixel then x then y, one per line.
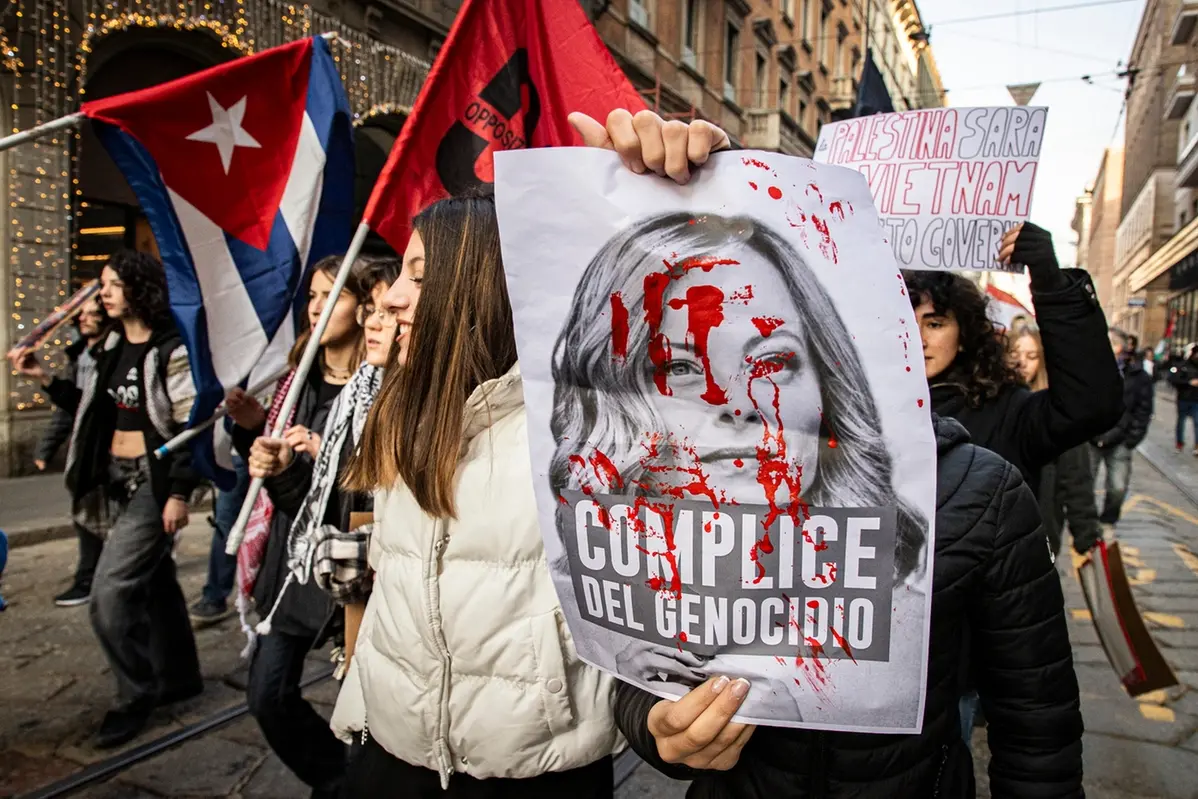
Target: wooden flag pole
pixel 237 533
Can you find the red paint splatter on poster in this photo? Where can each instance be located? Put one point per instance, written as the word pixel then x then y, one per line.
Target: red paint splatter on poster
pixel 753 185
pixel 767 324
pixel 811 187
pixel 762 545
pixel 837 210
pixel 775 193
pixel 605 470
pixel 705 305
pixel 826 246
pixel 619 327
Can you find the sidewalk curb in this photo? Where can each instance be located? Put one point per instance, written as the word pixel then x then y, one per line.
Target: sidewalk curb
pixel 1156 464
pixel 41 532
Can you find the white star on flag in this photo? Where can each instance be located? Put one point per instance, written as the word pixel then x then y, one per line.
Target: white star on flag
pixel 225 131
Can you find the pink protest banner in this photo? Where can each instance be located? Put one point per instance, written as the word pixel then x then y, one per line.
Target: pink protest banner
pixel 61 316
pixel 947 182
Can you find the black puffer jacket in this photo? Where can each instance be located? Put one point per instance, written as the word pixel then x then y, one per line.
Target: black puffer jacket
pixel 994 588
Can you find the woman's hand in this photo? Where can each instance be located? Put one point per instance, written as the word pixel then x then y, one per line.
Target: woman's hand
pixel 174 515
pixel 26 364
pixel 1031 246
pixel 697 730
pixel 245 410
pixel 647 142
pixel 269 457
pixel 301 439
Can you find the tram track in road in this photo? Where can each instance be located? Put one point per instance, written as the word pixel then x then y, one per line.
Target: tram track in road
pixel 110 767
pixel 625 764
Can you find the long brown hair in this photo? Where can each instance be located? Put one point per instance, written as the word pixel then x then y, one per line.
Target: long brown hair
pixel 462 336
pixel 359 283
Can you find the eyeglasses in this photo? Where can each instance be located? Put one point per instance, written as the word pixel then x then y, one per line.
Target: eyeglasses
pixel 387 318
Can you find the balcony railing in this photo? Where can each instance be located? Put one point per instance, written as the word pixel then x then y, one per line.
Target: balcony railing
pixel 1187 165
pixel 771 129
pixel 1181 94
pixel 1184 22
pixel 843 95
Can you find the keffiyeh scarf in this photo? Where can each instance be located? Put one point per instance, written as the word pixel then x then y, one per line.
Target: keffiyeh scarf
pixel 346 417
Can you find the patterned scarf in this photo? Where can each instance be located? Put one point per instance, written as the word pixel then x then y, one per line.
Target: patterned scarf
pixel 348 414
pixel 257 529
pixel 349 411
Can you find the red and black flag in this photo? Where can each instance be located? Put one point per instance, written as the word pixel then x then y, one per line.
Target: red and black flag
pixel 506 78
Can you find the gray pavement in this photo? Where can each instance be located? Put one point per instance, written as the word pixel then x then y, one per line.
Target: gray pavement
pixel 36 508
pixel 54 685
pixel 33 509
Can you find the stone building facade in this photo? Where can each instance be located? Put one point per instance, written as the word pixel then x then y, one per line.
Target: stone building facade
pixel 1157 205
pixel 771 72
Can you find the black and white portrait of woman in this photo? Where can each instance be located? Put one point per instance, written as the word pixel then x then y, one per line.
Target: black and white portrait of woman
pixel 698 355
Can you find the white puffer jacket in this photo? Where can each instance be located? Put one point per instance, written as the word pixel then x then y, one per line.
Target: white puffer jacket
pixel 463 662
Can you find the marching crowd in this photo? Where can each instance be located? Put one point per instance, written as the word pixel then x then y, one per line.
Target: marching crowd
pixel 398 519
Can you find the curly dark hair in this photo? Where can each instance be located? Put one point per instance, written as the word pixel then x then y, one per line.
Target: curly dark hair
pixel 981 366
pixel 145 287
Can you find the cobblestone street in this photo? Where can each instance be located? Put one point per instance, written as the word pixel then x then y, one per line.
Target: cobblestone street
pixel 55 687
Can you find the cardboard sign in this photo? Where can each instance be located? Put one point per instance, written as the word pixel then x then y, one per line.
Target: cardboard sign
pixel 729 429
pixel 947 182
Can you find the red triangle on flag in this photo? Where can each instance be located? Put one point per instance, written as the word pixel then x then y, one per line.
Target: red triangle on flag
pixel 507 76
pixel 223 139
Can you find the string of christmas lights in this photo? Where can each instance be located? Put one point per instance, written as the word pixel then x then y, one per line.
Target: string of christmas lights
pixel 48 55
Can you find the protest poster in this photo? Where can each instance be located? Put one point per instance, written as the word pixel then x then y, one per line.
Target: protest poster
pixel 729 429
pixel 947 182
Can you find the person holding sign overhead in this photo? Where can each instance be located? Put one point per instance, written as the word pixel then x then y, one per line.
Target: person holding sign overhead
pixel 973 381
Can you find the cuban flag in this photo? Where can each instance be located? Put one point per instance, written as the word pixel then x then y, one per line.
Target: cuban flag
pixel 245 172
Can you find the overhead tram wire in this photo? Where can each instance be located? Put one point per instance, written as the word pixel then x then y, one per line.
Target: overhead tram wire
pixel 1028 12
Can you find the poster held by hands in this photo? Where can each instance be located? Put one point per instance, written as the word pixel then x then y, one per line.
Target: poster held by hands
pixel 947 182
pixel 722 484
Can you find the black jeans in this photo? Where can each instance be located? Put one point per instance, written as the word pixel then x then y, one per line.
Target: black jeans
pixel 299 735
pixel 377 774
pixel 90 547
pixel 137 608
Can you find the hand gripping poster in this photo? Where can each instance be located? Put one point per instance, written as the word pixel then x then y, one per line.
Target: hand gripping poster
pixel 947 182
pixel 732 451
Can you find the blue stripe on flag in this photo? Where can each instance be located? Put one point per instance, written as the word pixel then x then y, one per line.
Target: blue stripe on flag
pixel 328 108
pixel 270 274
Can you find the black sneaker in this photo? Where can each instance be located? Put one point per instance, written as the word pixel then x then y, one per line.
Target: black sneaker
pixel 206 613
pixel 77 594
pixel 122 725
